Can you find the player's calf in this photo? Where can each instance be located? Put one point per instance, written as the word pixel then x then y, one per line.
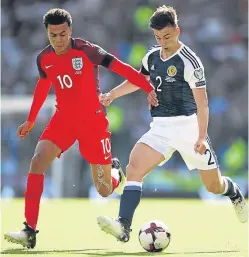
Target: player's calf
pixel 103 180
pixel 212 180
pixel 214 187
pixel 108 178
pixel 218 184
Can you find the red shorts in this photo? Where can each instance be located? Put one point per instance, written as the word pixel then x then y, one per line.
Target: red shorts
pixel 93 136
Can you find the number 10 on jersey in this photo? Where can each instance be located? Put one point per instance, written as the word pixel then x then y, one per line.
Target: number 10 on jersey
pixel 65 81
pixel 106 145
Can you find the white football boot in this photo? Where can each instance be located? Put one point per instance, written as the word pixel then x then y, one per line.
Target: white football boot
pixel 114 227
pixel 25 237
pixel 240 206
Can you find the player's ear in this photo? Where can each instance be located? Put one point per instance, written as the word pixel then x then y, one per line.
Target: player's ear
pixel 178 30
pixel 70 31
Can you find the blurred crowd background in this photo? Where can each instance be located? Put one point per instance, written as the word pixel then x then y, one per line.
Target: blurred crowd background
pixel 215 29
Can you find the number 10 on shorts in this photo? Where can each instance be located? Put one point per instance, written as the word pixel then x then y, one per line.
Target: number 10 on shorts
pixel 106 144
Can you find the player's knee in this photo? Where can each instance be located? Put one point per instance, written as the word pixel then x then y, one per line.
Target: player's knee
pixel 36 165
pixel 214 187
pixel 133 173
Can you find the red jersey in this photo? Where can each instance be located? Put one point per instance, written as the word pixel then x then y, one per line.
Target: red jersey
pixel 75 78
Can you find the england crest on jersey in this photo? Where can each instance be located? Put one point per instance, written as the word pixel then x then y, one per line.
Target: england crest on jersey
pixel 77 63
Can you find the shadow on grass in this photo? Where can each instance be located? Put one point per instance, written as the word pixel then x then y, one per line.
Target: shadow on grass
pixel 54 251
pixel 110 253
pixel 106 253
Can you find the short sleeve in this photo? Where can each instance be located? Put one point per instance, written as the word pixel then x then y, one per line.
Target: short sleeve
pixel 144 71
pixel 194 71
pixel 197 78
pixel 145 61
pixel 144 66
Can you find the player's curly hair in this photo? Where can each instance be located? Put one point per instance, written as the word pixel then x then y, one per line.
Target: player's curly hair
pixel 164 16
pixel 57 16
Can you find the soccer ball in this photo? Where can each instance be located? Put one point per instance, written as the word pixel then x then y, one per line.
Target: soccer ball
pixel 154 236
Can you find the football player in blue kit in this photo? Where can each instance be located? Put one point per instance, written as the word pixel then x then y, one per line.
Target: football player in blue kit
pixel 180 123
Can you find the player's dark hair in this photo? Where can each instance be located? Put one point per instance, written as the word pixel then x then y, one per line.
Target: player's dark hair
pixel 164 16
pixel 57 16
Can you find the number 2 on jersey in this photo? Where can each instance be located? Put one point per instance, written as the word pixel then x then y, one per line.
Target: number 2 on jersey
pixel 210 161
pixel 158 78
pixel 65 81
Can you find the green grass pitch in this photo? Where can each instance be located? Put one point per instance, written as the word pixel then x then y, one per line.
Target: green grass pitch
pixel 68 228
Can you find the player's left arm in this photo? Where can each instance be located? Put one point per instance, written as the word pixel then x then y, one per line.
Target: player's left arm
pixel 200 96
pixel 197 82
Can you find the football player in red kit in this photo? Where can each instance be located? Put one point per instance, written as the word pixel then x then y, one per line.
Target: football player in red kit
pixel 71 66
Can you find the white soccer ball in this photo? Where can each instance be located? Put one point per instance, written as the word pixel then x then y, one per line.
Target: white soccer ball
pixel 154 236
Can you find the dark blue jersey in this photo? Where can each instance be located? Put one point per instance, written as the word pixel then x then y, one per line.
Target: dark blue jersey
pixel 173 79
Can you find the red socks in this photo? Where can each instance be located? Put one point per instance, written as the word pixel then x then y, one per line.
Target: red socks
pixel 33 193
pixel 34 189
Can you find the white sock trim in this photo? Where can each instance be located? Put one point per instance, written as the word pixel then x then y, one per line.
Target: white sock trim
pixel 115 173
pixel 134 183
pixel 226 185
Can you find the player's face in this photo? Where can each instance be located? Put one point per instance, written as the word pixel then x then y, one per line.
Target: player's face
pixel 60 37
pixel 167 37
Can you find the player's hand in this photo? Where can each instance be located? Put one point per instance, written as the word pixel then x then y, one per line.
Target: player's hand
pixel 152 99
pixel 106 99
pixel 200 146
pixel 24 129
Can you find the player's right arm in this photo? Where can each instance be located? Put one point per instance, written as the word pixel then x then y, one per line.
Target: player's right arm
pixel 127 87
pixel 98 56
pixel 40 94
pixel 123 89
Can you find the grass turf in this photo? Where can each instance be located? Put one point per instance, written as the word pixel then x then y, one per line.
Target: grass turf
pixel 68 228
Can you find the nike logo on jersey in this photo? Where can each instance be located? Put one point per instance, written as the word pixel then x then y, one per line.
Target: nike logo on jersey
pixel 107 157
pixel 152 67
pixel 46 67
